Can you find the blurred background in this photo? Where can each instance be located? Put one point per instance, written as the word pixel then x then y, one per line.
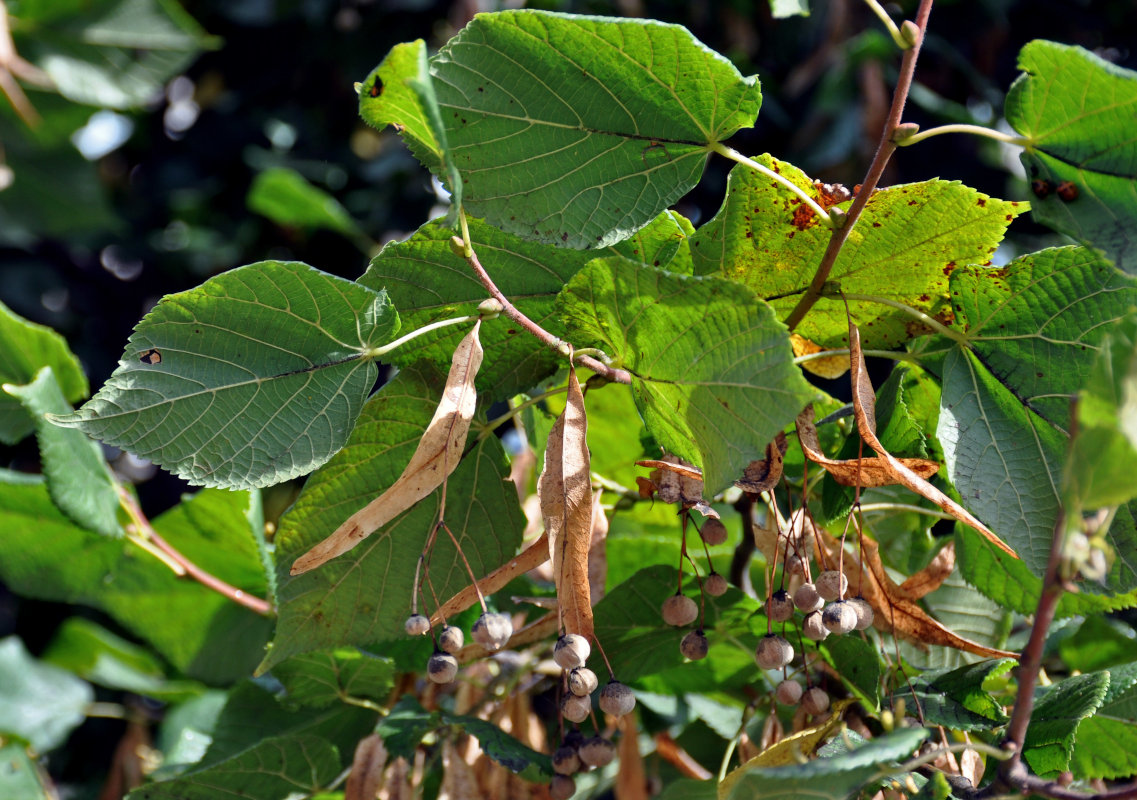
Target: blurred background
pixel 190 139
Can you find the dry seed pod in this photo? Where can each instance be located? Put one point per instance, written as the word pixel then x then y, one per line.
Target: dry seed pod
pixel 815 701
pixel 780 606
pixel 582 682
pixel 616 699
pixel 864 613
pixel 839 617
pixel 416 625
pixel 451 639
pixel 807 599
pixel 571 651
pixel 694 645
pixel 576 708
pixel 562 787
pixel 492 631
pixel 442 668
pixel 773 652
pixel 713 531
pixel 788 692
pixel 679 610
pixel 566 761
pixel 795 565
pixel 715 585
pixel 813 627
pixel 597 752
pixel 832 585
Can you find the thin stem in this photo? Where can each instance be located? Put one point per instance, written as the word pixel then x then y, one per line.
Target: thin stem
pixel 893 31
pixel 496 423
pixel 844 351
pixel 885 148
pixel 181 565
pixel 931 512
pixel 376 352
pixel 511 311
pixel 977 130
pixel 915 313
pixel 106 710
pixel 734 155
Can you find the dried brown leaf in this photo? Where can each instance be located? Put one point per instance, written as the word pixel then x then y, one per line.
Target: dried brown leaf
pixel 762 476
pixel 565 490
pixel 458 779
pixel 930 577
pixel 436 456
pixel 971 766
pixel 598 551
pixel 671 751
pixel 893 610
pixel 531 557
pixel 398 785
pixel 868 473
pixel 631 779
pixel 864 411
pixel 366 777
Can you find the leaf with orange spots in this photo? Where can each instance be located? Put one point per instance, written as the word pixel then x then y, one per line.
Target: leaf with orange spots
pixel 903 248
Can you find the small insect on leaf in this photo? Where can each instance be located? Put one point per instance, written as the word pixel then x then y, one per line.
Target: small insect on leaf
pixel 151 356
pixel 1041 189
pixel 1067 190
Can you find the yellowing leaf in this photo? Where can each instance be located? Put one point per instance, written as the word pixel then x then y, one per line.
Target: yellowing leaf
pixel 565 492
pixel 437 455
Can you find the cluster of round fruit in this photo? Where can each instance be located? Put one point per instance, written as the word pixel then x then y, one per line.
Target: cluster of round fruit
pixel 679 610
pixel 839 616
pixel 577 753
pixel 491 631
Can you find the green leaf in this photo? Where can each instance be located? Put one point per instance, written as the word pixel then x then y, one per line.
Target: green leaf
pixel 1103 457
pixel 321 678
pixel 365 595
pixel 405 726
pixel 956 607
pixel 21 778
pixel 1098 643
pixel 1106 744
pixel 956 698
pixel 1058 712
pixel 525 762
pixel 39 703
pixel 25 348
pixel 781 9
pixel 252 378
pixel 905 244
pixel 638 644
pixel 99 656
pixel 858 664
pixel 578 131
pixel 78 477
pixel 1033 322
pixel 277 766
pixel 186 731
pixel 115 53
pixel 1076 111
pixel 44 555
pixel 689 789
pixel 833 778
pixel 287 198
pixel 1002 458
pixel 1011 584
pixel 400 92
pixel 712 369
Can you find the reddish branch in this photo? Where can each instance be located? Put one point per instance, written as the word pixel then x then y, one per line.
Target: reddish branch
pixel 884 151
pixel 561 346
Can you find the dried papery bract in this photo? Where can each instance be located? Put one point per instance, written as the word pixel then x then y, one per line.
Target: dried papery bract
pixel 565 492
pixel 864 411
pixel 763 475
pixel 366 775
pixel 868 472
pixel 437 455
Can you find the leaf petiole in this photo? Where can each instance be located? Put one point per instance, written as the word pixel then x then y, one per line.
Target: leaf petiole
pixel 893 30
pixel 915 313
pixel 377 352
pixel 734 155
pixel 977 130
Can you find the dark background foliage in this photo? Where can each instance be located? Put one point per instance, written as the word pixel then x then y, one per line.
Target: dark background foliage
pixel 278 92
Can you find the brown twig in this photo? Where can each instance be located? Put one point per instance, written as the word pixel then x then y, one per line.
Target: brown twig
pixel 884 151
pixel 187 568
pixel 561 346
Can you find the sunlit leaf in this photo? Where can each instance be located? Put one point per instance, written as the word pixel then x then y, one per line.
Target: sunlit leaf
pixel 254 377
pixel 1106 741
pixel 287 198
pixel 39 703
pixel 1058 713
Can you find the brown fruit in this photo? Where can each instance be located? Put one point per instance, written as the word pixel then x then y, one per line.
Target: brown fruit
pixel 566 761
pixel 597 752
pixel 582 682
pixel 713 531
pixel 773 652
pixel 780 606
pixel 694 645
pixel 442 668
pixel 815 701
pixel 616 699
pixel 679 610
pixel 571 651
pixel 416 625
pixel 864 613
pixel 576 708
pixel 807 599
pixel 813 627
pixel 832 585
pixel 492 631
pixel 839 617
pixel 715 585
pixel 788 692
pixel 451 639
pixel 562 787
